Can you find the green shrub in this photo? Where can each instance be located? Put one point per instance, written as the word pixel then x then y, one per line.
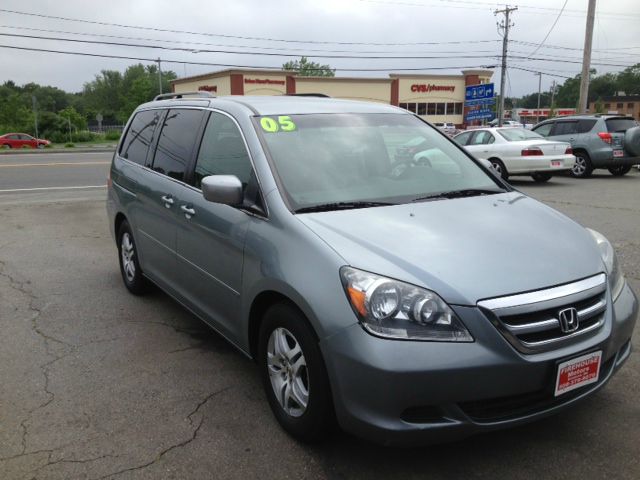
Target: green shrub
pixel 69 145
pixel 57 137
pixel 48 145
pixel 84 136
pixel 112 135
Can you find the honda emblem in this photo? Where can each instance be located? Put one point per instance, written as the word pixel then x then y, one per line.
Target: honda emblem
pixel 568 319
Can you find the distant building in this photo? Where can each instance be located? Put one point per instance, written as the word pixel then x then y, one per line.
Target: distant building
pixel 436 98
pixel 619 105
pixel 535 115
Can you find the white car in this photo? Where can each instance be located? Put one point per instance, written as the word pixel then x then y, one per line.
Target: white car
pixel 505 123
pixel 517 151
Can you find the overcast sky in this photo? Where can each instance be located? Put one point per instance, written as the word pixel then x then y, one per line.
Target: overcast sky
pixel 400 27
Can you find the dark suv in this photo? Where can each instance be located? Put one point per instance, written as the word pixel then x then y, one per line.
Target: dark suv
pixel 598 141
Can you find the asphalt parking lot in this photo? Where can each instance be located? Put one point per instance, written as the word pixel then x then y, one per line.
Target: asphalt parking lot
pixel 96 383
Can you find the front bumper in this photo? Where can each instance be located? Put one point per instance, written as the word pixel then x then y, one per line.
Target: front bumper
pixel 409 392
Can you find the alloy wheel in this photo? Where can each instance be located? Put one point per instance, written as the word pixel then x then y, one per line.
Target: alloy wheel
pixel 579 167
pixel 288 372
pixel 128 253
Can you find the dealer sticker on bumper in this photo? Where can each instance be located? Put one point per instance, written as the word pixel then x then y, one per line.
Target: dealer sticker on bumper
pixel 578 372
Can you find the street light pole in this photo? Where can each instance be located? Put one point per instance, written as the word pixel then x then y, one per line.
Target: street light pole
pixel 539 91
pixel 35 112
pixel 159 76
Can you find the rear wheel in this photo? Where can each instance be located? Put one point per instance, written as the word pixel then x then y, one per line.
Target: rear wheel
pixel 294 375
pixel 499 167
pixel 129 264
pixel 583 167
pixel 6 145
pixel 541 177
pixel 620 171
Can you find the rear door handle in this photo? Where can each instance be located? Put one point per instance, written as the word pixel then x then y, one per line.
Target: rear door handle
pixel 188 211
pixel 168 200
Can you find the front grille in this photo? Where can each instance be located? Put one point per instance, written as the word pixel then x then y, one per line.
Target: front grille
pixel 531 323
pixel 504 408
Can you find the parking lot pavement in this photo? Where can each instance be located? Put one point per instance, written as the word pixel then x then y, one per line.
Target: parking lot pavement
pixel 97 383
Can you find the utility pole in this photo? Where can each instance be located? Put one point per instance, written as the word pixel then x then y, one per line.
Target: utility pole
pixel 35 112
pixel 539 91
pixel 505 25
pixel 553 92
pixel 583 103
pixel 159 75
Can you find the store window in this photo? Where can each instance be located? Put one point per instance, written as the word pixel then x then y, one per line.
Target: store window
pixel 403 105
pixel 431 108
pixel 411 107
pixel 630 106
pixel 620 105
pixel 440 108
pixel 607 105
pixel 458 108
pixel 422 109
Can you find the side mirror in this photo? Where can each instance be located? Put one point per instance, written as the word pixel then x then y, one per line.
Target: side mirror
pixel 225 189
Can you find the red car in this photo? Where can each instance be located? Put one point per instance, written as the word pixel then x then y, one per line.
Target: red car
pixel 19 140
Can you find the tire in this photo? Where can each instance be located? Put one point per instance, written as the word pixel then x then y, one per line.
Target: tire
pixel 539 177
pixel 129 264
pixel 6 145
pixel 499 167
pixel 620 171
pixel 289 355
pixel 40 145
pixel 583 167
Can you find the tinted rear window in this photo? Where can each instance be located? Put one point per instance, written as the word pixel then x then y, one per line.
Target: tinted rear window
pixel 620 124
pixel 585 126
pixel 175 144
pixel 140 135
pixel 565 128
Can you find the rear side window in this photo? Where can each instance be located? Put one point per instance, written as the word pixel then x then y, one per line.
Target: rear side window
pixel 463 138
pixel 175 144
pixel 620 124
pixel 565 128
pixel 222 152
pixel 585 126
pixel 482 137
pixel 135 145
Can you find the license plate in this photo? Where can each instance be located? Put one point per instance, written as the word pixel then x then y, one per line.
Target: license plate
pixel 556 163
pixel 618 153
pixel 578 372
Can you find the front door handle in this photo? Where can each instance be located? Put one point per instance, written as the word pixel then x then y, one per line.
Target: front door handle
pixel 168 200
pixel 188 211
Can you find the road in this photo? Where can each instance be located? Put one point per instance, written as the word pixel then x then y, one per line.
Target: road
pixel 97 383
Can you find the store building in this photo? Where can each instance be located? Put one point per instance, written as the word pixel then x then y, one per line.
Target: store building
pixel 619 105
pixel 437 98
pixel 535 115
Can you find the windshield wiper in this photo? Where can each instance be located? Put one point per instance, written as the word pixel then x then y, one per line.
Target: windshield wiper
pixel 326 207
pixel 468 192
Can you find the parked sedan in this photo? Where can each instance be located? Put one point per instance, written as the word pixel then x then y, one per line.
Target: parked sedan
pixel 20 140
pixel 517 151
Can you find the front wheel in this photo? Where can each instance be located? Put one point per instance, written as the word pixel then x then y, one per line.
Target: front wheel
pixel 294 375
pixel 583 167
pixel 620 171
pixel 541 177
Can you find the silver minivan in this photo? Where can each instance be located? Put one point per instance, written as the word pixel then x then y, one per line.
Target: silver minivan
pixel 407 299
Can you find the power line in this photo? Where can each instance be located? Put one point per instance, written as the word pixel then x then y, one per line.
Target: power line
pixel 538 71
pixel 234 52
pixel 173 41
pixel 141 59
pixel 550 30
pixel 157 29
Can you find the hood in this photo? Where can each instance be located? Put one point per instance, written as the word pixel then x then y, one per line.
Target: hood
pixel 464 249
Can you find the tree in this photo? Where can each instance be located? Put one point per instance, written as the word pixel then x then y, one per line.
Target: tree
pixel 309 69
pixel 629 80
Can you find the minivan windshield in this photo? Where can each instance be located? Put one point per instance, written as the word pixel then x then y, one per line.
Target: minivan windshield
pixel 361 160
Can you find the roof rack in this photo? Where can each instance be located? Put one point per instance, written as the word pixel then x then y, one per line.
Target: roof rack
pixel 319 95
pixel 169 96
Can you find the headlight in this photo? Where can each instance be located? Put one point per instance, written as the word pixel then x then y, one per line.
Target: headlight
pixel 392 309
pixel 614 274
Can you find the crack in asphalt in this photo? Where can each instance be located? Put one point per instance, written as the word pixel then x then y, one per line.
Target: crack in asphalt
pixel 181 444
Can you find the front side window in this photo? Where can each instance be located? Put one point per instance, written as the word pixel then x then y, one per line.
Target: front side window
pixel 139 137
pixel 544 129
pixel 222 151
pixel 323 159
pixel 176 141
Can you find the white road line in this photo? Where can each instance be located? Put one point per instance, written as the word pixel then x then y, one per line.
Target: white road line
pixel 40 189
